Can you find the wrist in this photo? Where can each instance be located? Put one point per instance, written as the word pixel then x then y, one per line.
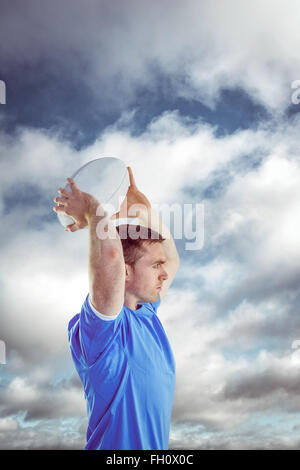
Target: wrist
pixel 96 213
pixel 93 212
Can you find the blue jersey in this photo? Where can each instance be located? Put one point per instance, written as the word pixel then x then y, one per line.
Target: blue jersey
pixel 127 370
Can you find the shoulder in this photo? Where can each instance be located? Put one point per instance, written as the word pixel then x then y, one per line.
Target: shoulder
pixel 153 306
pixel 91 333
pixel 73 321
pixel 97 314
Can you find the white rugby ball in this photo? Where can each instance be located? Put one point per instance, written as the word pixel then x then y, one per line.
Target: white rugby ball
pixel 106 178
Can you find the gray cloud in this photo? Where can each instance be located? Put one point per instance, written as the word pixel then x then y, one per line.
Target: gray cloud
pixel 41 400
pixel 261 384
pixel 232 314
pixel 46 435
pixel 120 46
pixel 212 390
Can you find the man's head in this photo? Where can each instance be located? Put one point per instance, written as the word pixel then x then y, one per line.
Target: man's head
pixel 144 259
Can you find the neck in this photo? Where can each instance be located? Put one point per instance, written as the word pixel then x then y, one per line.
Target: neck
pixel 130 301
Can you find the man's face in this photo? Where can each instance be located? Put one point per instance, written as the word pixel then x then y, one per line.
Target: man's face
pixel 146 278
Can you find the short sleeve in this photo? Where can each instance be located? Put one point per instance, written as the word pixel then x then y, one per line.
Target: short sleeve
pixel 99 314
pixel 90 335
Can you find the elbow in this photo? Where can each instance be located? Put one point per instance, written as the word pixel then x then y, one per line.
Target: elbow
pixel 114 254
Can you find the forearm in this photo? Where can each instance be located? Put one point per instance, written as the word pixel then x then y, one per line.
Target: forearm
pixel 150 218
pixel 105 259
pixel 104 241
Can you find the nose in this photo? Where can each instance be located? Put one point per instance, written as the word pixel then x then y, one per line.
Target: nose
pixel 164 275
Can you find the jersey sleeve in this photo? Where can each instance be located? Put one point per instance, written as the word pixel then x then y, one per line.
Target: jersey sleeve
pixel 90 333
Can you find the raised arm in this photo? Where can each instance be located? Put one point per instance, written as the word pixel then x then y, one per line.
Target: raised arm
pixel 137 205
pixel 106 262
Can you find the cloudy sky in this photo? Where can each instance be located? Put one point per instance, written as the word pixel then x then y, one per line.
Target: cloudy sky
pixel 197 97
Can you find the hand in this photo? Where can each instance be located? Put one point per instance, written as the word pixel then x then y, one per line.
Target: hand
pixel 133 197
pixel 76 204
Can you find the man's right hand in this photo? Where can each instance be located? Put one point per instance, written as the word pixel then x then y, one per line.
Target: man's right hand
pixel 77 204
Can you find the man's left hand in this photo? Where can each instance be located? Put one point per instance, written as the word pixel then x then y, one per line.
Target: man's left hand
pixel 134 197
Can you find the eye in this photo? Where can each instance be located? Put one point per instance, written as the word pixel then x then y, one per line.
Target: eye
pixel 156 266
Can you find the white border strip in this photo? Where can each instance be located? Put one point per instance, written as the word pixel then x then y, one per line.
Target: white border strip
pixel 101 315
pixel 128 221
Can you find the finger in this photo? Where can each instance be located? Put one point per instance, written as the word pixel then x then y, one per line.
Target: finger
pixel 61 200
pixel 71 228
pixel 64 192
pixel 131 178
pixel 72 185
pixel 59 208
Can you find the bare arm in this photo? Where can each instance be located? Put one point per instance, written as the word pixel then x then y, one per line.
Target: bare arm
pixel 106 269
pixel 136 204
pixel 106 262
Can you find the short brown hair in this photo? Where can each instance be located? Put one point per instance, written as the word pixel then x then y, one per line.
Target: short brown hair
pixel 134 238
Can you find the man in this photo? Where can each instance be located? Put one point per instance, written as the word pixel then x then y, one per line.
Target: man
pixel 118 343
